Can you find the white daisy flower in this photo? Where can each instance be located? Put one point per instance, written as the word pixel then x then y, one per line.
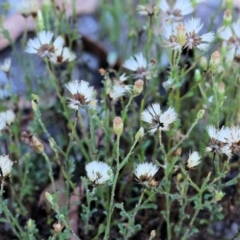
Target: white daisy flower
pixel 233 138
pixel 193 160
pixel 42 44
pixel 5 166
pixel 231 35
pixel 170 40
pixel 137 64
pixel 8 117
pixel 177 12
pixel 27 7
pixel 157 119
pixel 218 141
pixel 62 55
pixel 2 125
pixel 116 92
pixel 5 67
pixel 98 173
pixel 145 172
pixel 83 94
pixel 193 26
pixel 120 81
pixel 145 10
pixel 4 92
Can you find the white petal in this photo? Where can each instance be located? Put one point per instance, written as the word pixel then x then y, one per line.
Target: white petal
pixel 193 24
pixel 58 43
pixel 164 5
pixel 184 6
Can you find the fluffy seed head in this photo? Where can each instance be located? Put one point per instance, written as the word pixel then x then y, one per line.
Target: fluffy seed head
pixel 145 172
pixel 193 160
pixel 98 173
pixel 5 165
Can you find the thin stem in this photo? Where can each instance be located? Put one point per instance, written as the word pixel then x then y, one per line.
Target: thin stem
pixel 119 167
pixel 51 140
pixel 92 136
pixel 1 191
pixel 13 221
pixel 111 206
pixel 89 198
pixel 133 215
pixel 73 130
pixel 50 170
pixel 126 108
pixel 162 146
pixel 183 139
pixel 214 171
pixel 185 236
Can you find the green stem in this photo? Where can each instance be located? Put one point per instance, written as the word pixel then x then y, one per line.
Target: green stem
pixel 50 171
pixel 133 215
pixel 14 223
pixel 183 139
pixel 1 191
pixel 111 206
pixel 52 142
pixel 162 146
pixel 92 136
pixel 73 130
pixel 126 108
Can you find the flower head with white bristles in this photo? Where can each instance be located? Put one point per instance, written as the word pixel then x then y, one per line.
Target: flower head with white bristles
pixel 62 55
pixel 98 173
pixel 82 94
pixel 176 12
pixel 218 140
pixel 27 7
pixel 231 35
pixel 193 160
pixel 42 44
pixel 193 39
pixel 5 67
pixel 5 166
pixel 158 120
pixel 145 172
pixel 232 137
pixel 8 117
pixel 137 64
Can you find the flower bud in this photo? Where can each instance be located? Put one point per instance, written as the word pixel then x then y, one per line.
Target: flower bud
pixel 40 21
pixel 34 102
pixel 200 114
pixel 58 227
pixel 179 177
pixel 227 18
pixel 138 87
pixel 219 195
pixel 32 141
pixel 177 152
pixel 181 34
pixel 214 61
pixel 102 71
pixel 197 75
pixel 49 197
pixel 221 87
pixel 118 126
pixel 152 183
pixel 140 133
pixel 153 234
pixel 203 63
